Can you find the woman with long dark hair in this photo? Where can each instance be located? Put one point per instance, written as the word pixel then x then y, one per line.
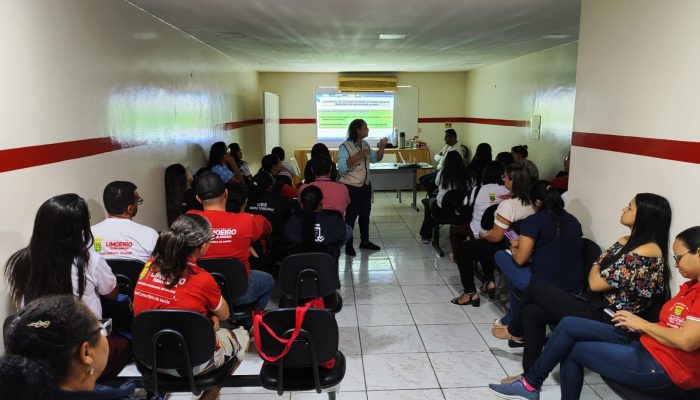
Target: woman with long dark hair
pixel 237 154
pixel 354 157
pixel 454 175
pixel 317 150
pixel 180 196
pixel 660 358
pixel 222 163
pixel 315 229
pixel 59 260
pixel 482 156
pixel 628 276
pixel 271 164
pixel 55 348
pixel 173 280
pixel 520 154
pixel 508 212
pixel 548 250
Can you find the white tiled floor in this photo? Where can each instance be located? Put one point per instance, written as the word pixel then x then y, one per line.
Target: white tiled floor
pixel 401 336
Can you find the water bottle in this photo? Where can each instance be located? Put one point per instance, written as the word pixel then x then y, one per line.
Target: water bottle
pixel 402 140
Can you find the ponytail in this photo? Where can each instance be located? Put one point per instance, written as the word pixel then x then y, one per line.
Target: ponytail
pixel 310 198
pixel 551 201
pixel 176 244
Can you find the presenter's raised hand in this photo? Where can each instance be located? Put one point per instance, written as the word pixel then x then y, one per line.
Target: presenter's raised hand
pixel 382 142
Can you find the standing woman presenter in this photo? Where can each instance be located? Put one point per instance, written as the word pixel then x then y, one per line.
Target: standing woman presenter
pixel 354 157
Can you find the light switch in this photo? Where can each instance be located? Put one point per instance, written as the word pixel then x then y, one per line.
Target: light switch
pixel 535 126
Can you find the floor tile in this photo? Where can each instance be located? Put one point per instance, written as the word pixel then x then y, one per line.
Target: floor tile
pixel 494 343
pixel 487 312
pixel 476 393
pixel 451 276
pixel 449 338
pixel 391 340
pixel 369 278
pixel 324 396
pixel 466 369
pixel 384 314
pixel 438 313
pixel 407 278
pixel 604 391
pixel 354 379
pixel 418 394
pixel 347 317
pixel 349 341
pixel 401 243
pixel 554 393
pixel 379 294
pixel 410 252
pixel 427 294
pixel 369 264
pixel 401 263
pixel 399 371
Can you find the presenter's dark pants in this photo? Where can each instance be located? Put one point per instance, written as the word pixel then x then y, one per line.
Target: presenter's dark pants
pixel 360 206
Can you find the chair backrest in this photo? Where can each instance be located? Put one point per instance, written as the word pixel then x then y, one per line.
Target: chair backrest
pixel 453 199
pixel 173 339
pixel 295 165
pixel 308 275
pixel 229 274
pixel 318 338
pixel 590 252
pixel 127 274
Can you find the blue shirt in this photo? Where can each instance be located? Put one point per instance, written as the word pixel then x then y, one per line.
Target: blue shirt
pixel 343 155
pixel 223 171
pixel 557 255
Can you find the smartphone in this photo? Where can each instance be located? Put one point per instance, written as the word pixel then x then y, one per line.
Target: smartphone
pixel 511 235
pixel 610 312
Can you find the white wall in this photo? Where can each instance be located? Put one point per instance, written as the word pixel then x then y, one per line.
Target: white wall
pixel 540 83
pixel 637 76
pixel 80 69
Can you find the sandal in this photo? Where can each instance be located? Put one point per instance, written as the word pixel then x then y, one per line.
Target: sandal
pixel 474 300
pixel 491 292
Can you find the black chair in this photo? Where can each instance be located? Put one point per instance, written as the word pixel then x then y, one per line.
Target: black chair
pixel 316 344
pixel 590 252
pixel 306 276
pixel 181 340
pixel 127 274
pixel 231 276
pixel 450 202
pixel 628 393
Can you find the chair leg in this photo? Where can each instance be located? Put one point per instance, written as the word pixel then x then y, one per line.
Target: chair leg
pixel 331 395
pixel 436 240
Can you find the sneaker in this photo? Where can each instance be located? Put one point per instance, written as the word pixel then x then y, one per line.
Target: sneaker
pixel 349 251
pixel 425 240
pixel 514 391
pixel 369 246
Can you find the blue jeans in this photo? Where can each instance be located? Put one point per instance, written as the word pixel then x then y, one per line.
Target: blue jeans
pixel 519 278
pixel 613 353
pixel 260 285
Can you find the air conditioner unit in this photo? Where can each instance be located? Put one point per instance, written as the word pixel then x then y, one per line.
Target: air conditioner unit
pixel 367 83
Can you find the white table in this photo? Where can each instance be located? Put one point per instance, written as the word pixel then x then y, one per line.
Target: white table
pixel 393 176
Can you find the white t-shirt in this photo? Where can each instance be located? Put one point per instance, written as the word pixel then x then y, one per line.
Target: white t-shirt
pixel 441 191
pixel 124 239
pixel 489 195
pixel 99 281
pixel 510 211
pixel 440 156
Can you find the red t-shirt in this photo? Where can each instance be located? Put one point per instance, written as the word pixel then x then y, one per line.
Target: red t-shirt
pixel 234 233
pixel 681 366
pixel 288 192
pixel 335 195
pixel 195 291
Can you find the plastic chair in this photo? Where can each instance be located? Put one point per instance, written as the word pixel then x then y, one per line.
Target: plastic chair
pixel 176 339
pixel 450 202
pixel 306 276
pixel 127 274
pixel 231 276
pixel 316 344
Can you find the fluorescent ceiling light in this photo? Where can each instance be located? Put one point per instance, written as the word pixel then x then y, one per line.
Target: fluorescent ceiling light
pixel 557 37
pixel 391 36
pixel 232 35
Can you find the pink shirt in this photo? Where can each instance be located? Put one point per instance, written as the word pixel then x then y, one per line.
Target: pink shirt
pixel 335 195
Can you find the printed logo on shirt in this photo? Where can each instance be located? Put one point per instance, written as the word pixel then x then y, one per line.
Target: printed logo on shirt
pixel 224 234
pixel 261 207
pixel 317 232
pixel 113 247
pixel 98 245
pixel 677 316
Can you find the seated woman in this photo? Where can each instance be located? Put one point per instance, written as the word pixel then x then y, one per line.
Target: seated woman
pixel 482 156
pixel 520 154
pixel 221 162
pixel 319 149
pixel 237 154
pixel 287 174
pixel 56 349
pixel 661 358
pixel 60 260
pixel 548 250
pixel 335 195
pixel 627 276
pixel 315 230
pixel 180 196
pixel 517 180
pixel 275 209
pixel 172 280
pixel 272 165
pixel 489 193
pixel 454 175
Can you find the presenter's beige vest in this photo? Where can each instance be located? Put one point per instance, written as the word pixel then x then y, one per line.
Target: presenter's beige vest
pixel 358 174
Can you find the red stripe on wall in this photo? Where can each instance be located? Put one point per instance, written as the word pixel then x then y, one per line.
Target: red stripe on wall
pixel 676 150
pixel 288 121
pixel 242 124
pixel 32 156
pixel 470 120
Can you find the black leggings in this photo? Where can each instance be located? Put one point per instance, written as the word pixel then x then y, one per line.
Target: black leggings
pixel 472 251
pixel 360 205
pixel 543 304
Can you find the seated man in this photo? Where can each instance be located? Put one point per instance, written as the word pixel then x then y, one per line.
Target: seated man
pixel 271 163
pixel 287 169
pixel 233 235
pixel 335 195
pixel 118 237
pixel 451 144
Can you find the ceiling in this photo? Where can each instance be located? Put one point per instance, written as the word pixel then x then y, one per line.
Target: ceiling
pixel 342 36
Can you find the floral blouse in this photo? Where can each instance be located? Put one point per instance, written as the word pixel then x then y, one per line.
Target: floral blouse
pixel 635 279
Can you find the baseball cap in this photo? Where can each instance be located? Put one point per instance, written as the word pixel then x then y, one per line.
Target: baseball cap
pixel 209 186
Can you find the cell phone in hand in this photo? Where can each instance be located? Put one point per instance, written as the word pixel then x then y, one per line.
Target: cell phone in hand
pixel 610 312
pixel 510 234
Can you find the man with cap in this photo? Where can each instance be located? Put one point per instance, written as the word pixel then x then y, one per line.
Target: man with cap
pixel 233 233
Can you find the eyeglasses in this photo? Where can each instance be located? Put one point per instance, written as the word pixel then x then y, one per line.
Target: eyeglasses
pixel 105 328
pixel 678 257
pixel 139 201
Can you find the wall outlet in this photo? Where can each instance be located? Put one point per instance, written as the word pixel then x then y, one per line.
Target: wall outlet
pixel 448 125
pixel 535 126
